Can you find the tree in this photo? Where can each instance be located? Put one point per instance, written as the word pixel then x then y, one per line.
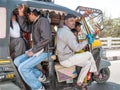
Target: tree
pixel 112 27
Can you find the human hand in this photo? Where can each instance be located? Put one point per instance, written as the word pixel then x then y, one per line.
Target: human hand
pixel 87 12
pixel 30 53
pixel 90 38
pixel 21 9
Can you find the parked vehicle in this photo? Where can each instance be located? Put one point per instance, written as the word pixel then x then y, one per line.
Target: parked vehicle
pixel 9 75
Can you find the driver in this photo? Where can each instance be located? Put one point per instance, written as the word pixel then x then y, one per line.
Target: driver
pixel 67 45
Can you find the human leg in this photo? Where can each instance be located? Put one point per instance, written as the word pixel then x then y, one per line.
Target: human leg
pixel 20 47
pixel 18 60
pixel 83 60
pixel 12 47
pixel 36 72
pixel 26 70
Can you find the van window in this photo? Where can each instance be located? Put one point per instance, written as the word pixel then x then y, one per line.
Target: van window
pixel 2 22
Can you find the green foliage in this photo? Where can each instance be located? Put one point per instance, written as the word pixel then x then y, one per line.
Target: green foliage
pixel 112 27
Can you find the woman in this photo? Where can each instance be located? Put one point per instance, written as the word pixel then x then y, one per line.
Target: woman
pixel 17 44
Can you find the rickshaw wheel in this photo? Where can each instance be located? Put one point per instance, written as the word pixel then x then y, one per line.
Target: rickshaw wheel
pixel 105 72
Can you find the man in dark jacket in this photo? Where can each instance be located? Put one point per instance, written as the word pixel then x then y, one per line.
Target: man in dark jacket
pixel 41 37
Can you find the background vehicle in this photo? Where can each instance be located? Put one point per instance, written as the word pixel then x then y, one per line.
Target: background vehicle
pixel 55 13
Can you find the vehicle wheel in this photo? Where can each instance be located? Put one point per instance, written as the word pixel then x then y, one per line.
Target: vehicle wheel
pixel 105 72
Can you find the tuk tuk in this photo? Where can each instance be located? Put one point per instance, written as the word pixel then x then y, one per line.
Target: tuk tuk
pixel 9 76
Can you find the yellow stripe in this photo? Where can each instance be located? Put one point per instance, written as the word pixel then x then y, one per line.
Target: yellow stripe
pixel 4 61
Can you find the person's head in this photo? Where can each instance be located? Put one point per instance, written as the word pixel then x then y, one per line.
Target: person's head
pixel 70 21
pixel 74 32
pixel 32 14
pixel 77 26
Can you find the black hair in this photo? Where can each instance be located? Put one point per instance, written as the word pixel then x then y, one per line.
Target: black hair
pixel 27 10
pixel 15 14
pixel 73 30
pixel 69 16
pixel 34 11
pixel 77 24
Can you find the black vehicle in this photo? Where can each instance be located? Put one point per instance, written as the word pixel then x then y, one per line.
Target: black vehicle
pixel 9 76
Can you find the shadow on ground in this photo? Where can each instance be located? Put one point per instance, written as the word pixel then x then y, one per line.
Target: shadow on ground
pixel 94 86
pixel 105 86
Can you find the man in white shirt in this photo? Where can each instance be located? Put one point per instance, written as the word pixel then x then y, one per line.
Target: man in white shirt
pixel 67 45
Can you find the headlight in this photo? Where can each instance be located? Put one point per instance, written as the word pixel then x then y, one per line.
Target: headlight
pixel 103 53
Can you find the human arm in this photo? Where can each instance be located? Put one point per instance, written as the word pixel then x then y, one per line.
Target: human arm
pixel 22 19
pixel 69 38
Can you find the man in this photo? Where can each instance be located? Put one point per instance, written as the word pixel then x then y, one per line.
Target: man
pixel 41 36
pixel 67 45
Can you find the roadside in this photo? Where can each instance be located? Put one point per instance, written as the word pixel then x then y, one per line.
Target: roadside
pixel 115 72
pixel 112 54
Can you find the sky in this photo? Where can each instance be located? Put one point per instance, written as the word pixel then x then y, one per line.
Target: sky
pixel 110 7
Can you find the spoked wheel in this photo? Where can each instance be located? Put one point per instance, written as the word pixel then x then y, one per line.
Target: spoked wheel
pixel 105 73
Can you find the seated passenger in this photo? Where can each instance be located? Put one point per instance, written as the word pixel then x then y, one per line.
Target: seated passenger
pixel 17 44
pixel 81 34
pixel 75 32
pixel 67 45
pixel 41 36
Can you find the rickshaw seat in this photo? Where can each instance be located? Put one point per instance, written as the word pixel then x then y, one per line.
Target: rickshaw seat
pixel 65 73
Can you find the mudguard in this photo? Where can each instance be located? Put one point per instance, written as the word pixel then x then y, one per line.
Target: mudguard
pixel 104 64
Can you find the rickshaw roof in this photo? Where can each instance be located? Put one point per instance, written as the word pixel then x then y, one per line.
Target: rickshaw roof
pixel 41 5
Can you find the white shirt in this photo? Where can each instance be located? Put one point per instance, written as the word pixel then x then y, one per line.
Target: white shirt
pixel 67 44
pixel 15 31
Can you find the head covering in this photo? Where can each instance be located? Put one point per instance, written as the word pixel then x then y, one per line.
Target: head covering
pixel 69 16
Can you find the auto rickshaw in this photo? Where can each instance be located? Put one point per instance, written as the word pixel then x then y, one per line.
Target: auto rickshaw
pixel 9 76
pixel 92 21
